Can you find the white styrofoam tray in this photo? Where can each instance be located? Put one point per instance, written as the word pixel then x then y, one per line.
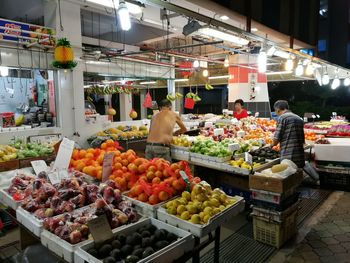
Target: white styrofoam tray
pixel 168 254
pixel 180 148
pixel 32 223
pixel 237 170
pixel 7 176
pixel 202 230
pixel 144 208
pixel 180 155
pixel 7 199
pixel 338 150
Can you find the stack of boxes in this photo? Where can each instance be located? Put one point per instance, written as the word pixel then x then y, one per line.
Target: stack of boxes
pixel 275 207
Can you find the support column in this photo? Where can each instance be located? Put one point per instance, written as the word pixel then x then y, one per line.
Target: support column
pixel 125 102
pixel 171 82
pixel 179 102
pixel 143 110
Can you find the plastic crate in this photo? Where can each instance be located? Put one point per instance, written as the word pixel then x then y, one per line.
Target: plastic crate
pixel 274 233
pixel 336 179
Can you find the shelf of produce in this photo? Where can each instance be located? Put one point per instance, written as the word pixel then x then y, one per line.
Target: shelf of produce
pixel 27 161
pixel 236 170
pixel 180 154
pixel 7 199
pixel 32 223
pixel 9 165
pixel 214 222
pixel 168 254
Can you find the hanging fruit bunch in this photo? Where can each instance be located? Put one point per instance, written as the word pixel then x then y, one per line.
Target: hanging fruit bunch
pixel 208 87
pixel 64 56
pixel 193 96
pixel 133 114
pixel 172 97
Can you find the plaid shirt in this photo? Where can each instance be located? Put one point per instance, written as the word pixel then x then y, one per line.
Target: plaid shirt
pixel 290 134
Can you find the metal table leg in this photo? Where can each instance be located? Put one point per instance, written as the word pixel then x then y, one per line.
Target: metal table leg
pixel 217 245
pixel 196 258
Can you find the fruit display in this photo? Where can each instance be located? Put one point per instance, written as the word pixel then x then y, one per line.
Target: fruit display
pixel 122 133
pixel 199 205
pixel 240 163
pixel 342 130
pixel 144 242
pixel 7 153
pixel 90 161
pixel 160 181
pixel 247 145
pixel 310 136
pixel 27 150
pixel 211 148
pixel 21 186
pixel 229 132
pixel 265 153
pixel 258 133
pixel 322 141
pixel 182 141
pixel 47 200
pixel 266 124
pixel 73 228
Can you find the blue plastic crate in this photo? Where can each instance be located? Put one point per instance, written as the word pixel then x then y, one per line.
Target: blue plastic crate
pixel 229 190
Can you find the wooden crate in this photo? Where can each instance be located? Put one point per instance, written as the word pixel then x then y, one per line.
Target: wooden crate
pixel 27 161
pixel 9 165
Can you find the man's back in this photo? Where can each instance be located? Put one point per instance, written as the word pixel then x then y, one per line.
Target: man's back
pixel 162 127
pixel 290 133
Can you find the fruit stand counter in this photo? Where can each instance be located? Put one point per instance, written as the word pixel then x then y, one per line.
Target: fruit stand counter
pixel 138 145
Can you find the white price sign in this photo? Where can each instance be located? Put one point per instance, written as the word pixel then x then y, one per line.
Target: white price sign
pixel 256 114
pixel 218 131
pixel 230 112
pixel 248 158
pixel 64 154
pixel 233 147
pixel 208 124
pixel 240 134
pixel 39 166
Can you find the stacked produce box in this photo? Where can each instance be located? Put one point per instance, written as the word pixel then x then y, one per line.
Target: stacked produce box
pixel 275 203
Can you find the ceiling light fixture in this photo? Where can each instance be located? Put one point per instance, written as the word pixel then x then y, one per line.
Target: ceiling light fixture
pixel 289 64
pixel 254 29
pixel 335 83
pixel 224 17
pixel 271 51
pixel 205 73
pixel 226 62
pixel 148 82
pixel 347 82
pixel 212 32
pixel 219 77
pixel 299 69
pixel 195 64
pixel 262 60
pixel 325 79
pixel 4 71
pixel 124 17
pixel 309 69
pixel 134 9
pixel 181 80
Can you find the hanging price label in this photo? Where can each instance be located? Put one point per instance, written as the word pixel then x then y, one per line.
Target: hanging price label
pixel 39 166
pixel 64 154
pixel 107 166
pixel 248 158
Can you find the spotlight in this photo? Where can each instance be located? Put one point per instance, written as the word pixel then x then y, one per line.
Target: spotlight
pixel 299 69
pixel 335 83
pixel 205 73
pixel 289 64
pixel 124 17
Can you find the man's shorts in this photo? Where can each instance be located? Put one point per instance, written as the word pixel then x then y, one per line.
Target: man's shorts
pixel 155 151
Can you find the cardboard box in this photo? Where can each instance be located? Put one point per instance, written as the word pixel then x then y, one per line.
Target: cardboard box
pixel 276 185
pixel 9 165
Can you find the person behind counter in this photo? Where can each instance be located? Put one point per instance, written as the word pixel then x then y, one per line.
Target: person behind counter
pixel 161 131
pixel 240 112
pixel 289 134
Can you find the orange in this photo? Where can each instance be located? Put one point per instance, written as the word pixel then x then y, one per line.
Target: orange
pixel 150 175
pixel 103 145
pixel 90 150
pixel 89 155
pixel 165 173
pixel 163 196
pixel 100 159
pixel 117 153
pixel 138 189
pixel 117 166
pixel 82 154
pixel 117 159
pixel 131 158
pixel 156 180
pixel 123 155
pixel 177 185
pixel 72 163
pixel 125 162
pixel 143 197
pixel 110 143
pixel 138 161
pixel 118 173
pixel 130 152
pixel 141 169
pixel 75 154
pixel 99 175
pixel 152 168
pixel 153 199
pixel 174 166
pixel 158 174
pixel 124 169
pixel 79 165
pixel 143 178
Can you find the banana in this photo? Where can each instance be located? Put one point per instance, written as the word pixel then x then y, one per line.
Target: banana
pixel 190 95
pixel 178 95
pixel 196 98
pixel 170 97
pixel 209 87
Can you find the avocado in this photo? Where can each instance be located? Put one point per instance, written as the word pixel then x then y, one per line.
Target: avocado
pixel 153 239
pixel 165 232
pixel 116 244
pixel 116 254
pixel 161 244
pixel 126 250
pixel 93 252
pixel 109 260
pixel 151 228
pixel 130 240
pixel 131 259
pixel 141 229
pixel 105 250
pixel 138 252
pixel 137 247
pixel 145 233
pixel 121 238
pixel 171 237
pixel 159 235
pixel 137 238
pixel 147 252
pixel 146 242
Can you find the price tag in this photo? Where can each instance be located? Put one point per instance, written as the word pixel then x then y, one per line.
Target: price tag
pixel 218 131
pixel 256 114
pixel 240 134
pixel 313 116
pixel 230 112
pixel 64 154
pixel 224 111
pixel 233 147
pixel 54 178
pixel 305 119
pixel 248 158
pixel 39 166
pixel 100 229
pixel 334 113
pixel 107 166
pixel 208 124
pixel 185 178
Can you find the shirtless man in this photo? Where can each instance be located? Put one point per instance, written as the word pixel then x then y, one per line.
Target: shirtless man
pixel 161 132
